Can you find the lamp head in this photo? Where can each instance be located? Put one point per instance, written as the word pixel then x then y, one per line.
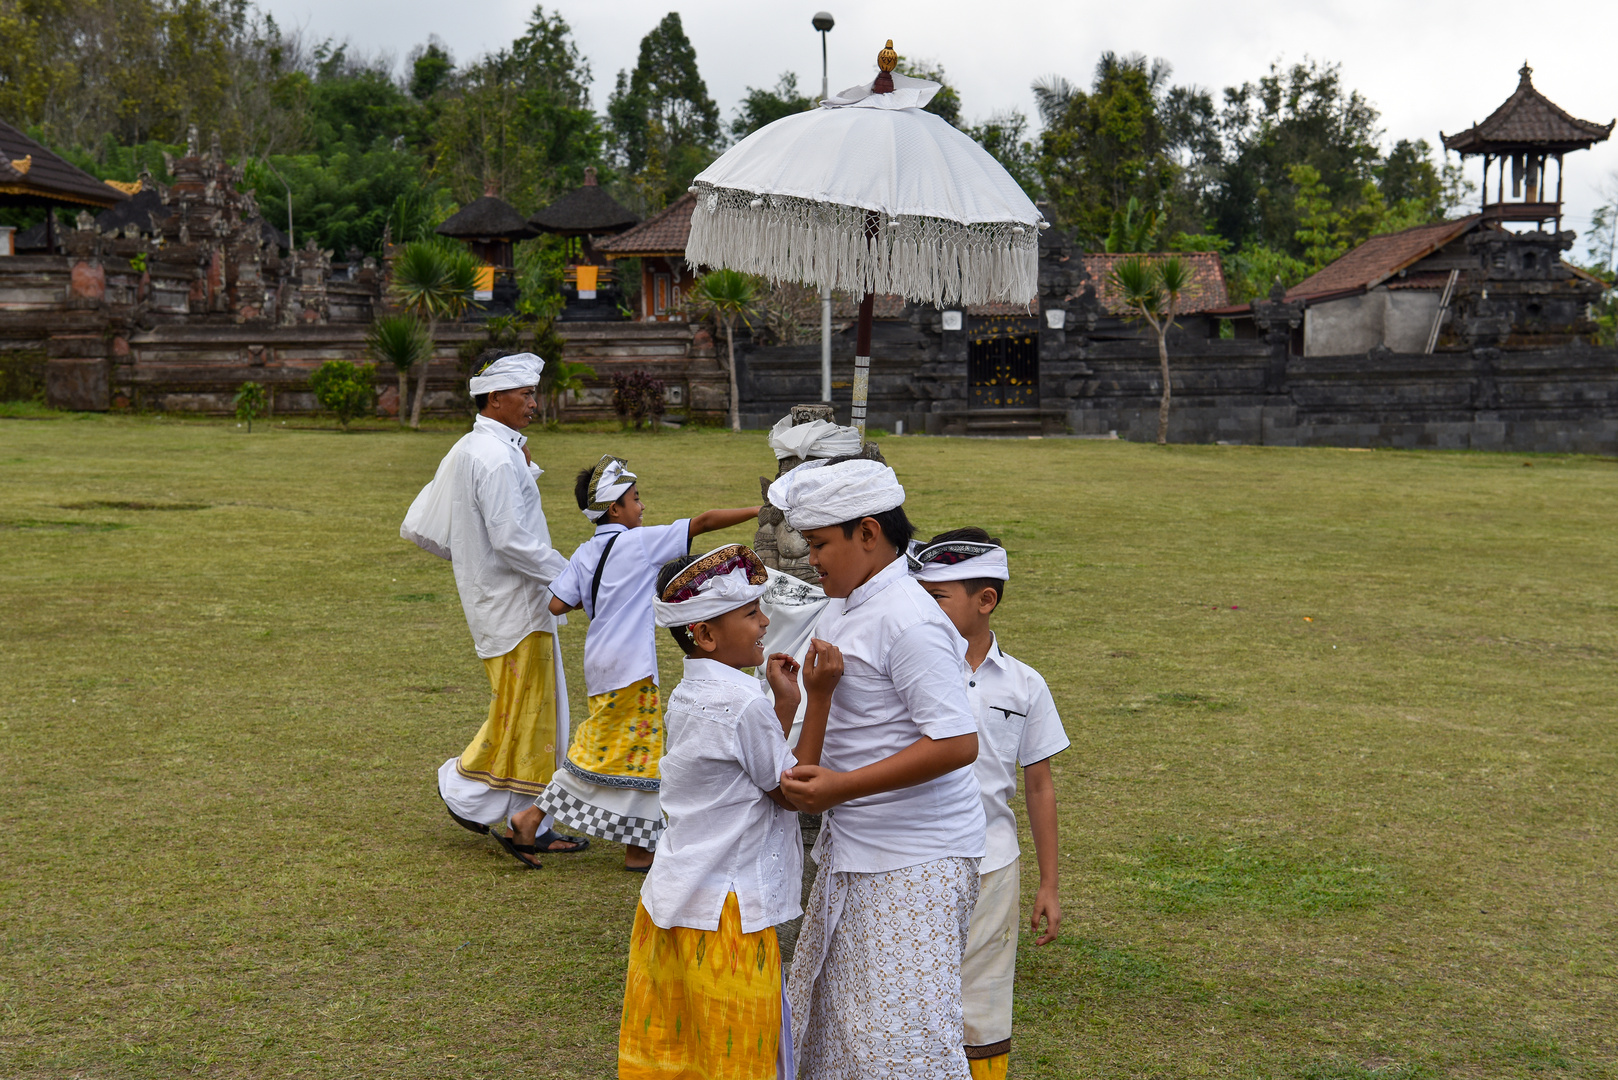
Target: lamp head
pixel 823 21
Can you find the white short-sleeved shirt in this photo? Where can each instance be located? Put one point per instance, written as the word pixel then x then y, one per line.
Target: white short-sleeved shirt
pixel 500 546
pixel 904 676
pixel 724 751
pixel 620 646
pixel 1017 726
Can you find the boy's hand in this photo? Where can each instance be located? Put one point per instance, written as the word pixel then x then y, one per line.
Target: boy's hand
pixel 813 789
pixel 1047 905
pixel 822 667
pixel 781 672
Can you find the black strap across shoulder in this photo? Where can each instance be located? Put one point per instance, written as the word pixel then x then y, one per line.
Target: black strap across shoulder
pixel 595 582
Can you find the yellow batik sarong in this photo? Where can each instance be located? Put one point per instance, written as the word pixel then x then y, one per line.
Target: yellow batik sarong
pixel 701 1004
pixel 515 749
pixel 623 736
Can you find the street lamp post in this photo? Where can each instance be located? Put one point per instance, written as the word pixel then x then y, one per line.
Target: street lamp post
pixel 824 22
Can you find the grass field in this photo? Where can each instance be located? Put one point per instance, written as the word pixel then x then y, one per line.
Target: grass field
pixel 1340 802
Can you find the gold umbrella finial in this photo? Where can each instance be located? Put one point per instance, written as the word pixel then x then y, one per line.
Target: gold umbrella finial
pixel 886 61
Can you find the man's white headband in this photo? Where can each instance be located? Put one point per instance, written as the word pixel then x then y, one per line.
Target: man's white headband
pixel 508 373
pixel 817 494
pixel 724 579
pixel 608 483
pixel 958 560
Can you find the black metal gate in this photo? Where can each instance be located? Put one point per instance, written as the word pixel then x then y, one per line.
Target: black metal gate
pixel 1002 362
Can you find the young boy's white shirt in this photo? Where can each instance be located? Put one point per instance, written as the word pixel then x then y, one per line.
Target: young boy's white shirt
pixel 725 749
pixel 904 669
pixel 620 645
pixel 1018 726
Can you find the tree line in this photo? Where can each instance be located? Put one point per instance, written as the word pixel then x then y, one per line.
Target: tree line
pixel 1280 174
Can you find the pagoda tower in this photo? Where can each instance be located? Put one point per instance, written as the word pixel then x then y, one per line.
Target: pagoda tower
pixel 1521 137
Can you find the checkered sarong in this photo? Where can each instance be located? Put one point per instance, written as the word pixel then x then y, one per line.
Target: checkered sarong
pixel 575 813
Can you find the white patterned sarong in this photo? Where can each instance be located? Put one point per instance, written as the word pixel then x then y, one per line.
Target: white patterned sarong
pixel 875 987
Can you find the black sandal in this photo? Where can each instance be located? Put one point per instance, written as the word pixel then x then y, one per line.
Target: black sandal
pixel 469 826
pixel 544 840
pixel 517 851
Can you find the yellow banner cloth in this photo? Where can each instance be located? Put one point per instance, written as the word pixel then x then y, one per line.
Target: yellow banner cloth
pixel 700 1004
pixel 587 278
pixel 515 749
pixel 623 735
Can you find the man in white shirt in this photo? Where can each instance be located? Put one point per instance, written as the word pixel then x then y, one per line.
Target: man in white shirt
pixel 482 511
pixel 876 980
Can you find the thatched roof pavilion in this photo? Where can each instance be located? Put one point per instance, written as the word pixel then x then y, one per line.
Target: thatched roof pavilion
pixel 486 219
pixel 585 211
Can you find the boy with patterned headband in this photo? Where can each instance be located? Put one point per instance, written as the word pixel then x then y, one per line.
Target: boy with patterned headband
pixel 607 785
pixel 702 997
pixel 965 570
pixel 876 977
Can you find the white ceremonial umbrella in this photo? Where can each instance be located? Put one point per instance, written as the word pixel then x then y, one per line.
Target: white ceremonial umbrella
pixel 870 194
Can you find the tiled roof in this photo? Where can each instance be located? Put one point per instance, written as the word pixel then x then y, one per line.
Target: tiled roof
pixel 28 169
pixel 883 306
pixel 660 234
pixel 1380 257
pixel 1527 121
pixel 1207 290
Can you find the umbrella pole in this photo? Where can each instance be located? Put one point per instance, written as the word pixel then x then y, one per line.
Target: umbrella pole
pixel 862 364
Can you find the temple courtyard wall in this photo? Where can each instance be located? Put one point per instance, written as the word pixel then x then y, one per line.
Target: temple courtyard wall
pixel 101 334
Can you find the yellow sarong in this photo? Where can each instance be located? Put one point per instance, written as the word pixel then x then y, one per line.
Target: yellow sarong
pixel 700 1004
pixel 623 736
pixel 515 749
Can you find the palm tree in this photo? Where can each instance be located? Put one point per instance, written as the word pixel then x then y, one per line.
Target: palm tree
pixel 727 295
pixel 433 281
pixel 566 378
pixel 401 341
pixel 1151 288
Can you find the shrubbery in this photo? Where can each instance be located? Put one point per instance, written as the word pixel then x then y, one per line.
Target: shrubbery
pixel 344 389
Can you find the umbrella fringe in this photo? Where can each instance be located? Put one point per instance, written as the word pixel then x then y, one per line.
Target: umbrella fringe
pixel 929 259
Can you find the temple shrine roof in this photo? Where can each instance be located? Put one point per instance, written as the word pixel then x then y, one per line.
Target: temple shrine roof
pixel 587 210
pixel 1527 121
pixel 31 174
pixel 488 217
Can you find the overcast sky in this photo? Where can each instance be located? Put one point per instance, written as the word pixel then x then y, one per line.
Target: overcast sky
pixel 1427 66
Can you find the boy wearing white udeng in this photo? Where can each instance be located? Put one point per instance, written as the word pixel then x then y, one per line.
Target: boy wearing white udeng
pixel 876 979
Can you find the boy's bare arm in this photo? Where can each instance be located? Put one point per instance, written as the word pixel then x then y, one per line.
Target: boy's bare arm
pixel 714 520
pixel 559 608
pixel 815 790
pixel 1040 793
pixel 779 799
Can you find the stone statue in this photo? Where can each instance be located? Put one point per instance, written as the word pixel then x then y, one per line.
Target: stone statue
pixel 779 545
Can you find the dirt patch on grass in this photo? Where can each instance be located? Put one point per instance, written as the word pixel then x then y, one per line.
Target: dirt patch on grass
pixel 131 504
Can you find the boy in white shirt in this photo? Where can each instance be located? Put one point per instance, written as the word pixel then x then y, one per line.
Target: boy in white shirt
pixel 703 993
pixel 876 977
pixel 607 784
pixel 966 571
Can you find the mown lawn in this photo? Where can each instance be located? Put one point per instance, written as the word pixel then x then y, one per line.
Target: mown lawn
pixel 1340 802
